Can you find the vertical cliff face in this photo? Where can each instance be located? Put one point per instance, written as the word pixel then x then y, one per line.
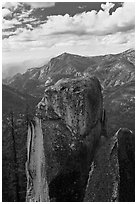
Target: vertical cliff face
pixel 72 121
pixel 72 113
pixel 70 157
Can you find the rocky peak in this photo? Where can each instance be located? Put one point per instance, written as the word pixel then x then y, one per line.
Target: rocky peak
pixel 66 54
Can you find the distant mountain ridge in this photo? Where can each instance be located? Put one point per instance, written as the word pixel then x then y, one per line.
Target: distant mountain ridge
pixel 68 65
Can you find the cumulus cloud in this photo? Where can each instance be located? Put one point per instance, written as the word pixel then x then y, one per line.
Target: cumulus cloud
pixel 85 24
pixel 92 22
pixel 40 4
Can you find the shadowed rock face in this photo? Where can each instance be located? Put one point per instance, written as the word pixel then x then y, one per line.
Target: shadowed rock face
pixel 103 182
pixel 112 174
pixel 126 155
pixel 72 118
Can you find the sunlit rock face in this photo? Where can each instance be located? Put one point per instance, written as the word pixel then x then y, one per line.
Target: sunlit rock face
pixel 37 187
pixel 72 123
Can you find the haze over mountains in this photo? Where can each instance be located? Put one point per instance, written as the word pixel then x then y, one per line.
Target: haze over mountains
pixel 12 68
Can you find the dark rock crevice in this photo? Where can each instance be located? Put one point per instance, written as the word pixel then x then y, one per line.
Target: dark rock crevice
pixel 66 187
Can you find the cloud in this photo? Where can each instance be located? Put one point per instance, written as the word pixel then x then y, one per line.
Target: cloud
pixel 58 28
pixel 7 24
pixel 11 5
pixel 6 13
pixel 29 26
pixel 40 4
pixel 10 32
pixel 118 38
pixel 24 14
pixel 86 23
pixel 92 22
pixel 107 6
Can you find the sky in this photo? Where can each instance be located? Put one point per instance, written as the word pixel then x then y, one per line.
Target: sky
pixel 34 32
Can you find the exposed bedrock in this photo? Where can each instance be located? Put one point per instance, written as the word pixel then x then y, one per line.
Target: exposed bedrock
pixel 37 186
pixel 103 181
pixel 72 123
pixel 70 157
pixel 112 173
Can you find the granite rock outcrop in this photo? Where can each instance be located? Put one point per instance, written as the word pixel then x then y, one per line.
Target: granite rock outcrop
pixel 72 118
pixel 70 151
